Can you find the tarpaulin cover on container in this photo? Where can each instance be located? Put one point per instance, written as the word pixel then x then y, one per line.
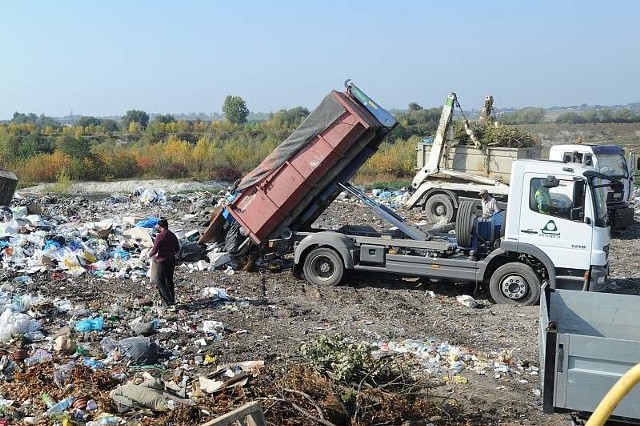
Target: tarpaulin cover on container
pixel 320 119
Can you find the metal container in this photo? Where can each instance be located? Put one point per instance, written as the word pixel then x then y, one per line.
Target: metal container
pixel 495 163
pixel 588 340
pixel 333 142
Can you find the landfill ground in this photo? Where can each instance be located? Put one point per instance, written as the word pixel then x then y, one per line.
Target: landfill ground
pixel 459 364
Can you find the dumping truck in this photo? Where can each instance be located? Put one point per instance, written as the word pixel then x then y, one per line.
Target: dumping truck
pixel 449 173
pixel 514 252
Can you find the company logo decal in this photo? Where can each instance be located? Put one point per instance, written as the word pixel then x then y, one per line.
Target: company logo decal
pixel 550 230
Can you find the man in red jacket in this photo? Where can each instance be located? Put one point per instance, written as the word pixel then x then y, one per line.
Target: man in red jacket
pixel 165 248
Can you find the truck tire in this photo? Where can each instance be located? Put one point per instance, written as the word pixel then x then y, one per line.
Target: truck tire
pixel 515 284
pixel 439 207
pixel 464 223
pixel 324 267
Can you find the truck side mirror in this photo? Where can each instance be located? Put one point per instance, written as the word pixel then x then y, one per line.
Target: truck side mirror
pixel 578 194
pixel 576 213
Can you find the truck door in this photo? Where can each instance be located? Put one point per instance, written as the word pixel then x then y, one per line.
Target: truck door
pixel 552 218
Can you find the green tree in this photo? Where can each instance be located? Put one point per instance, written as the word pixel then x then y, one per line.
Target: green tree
pixel 109 125
pixel 135 116
pixel 22 118
pixel 290 118
pixel 44 121
pixel 86 121
pixel 413 106
pixel 166 118
pixel 235 109
pixel 571 118
pixel 74 147
pixel 524 116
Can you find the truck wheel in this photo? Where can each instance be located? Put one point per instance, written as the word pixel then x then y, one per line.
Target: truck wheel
pixel 515 284
pixel 323 266
pixel 464 223
pixel 438 207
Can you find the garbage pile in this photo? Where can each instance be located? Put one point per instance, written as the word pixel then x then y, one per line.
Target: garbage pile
pixel 439 357
pixel 84 340
pixel 104 238
pixel 64 360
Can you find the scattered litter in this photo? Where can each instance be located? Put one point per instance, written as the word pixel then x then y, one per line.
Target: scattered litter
pixel 215 293
pixel 89 324
pixel 467 301
pixel 139 350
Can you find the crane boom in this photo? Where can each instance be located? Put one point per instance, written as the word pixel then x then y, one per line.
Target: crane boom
pixel 433 164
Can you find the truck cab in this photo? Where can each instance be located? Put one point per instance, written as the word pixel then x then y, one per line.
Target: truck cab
pixel 609 160
pixel 559 212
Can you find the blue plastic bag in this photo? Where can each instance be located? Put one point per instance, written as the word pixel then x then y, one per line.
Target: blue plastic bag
pixel 92 363
pixel 51 245
pixel 120 254
pixel 89 324
pixel 149 222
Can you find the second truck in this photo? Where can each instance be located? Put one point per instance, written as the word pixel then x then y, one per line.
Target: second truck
pixel 449 173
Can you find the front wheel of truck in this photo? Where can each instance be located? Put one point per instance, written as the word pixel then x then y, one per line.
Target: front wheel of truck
pixel 515 284
pixel 323 266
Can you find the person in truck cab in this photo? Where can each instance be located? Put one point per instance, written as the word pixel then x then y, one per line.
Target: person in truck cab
pixel 541 196
pixel 489 204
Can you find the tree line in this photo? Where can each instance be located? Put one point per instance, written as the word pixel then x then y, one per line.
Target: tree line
pixel 39 149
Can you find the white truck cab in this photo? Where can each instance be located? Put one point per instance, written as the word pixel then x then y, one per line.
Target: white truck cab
pixel 609 160
pixel 558 213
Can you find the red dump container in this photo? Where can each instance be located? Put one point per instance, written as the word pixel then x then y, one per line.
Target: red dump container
pixel 266 206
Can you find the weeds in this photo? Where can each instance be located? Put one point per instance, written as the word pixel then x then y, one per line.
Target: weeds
pixel 63 182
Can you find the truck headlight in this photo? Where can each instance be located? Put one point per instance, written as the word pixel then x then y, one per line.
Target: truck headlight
pixel 601 280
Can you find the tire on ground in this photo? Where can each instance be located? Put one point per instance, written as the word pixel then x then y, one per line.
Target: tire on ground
pixel 323 266
pixel 515 284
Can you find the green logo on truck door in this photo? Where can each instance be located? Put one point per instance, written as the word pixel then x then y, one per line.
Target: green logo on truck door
pixel 550 230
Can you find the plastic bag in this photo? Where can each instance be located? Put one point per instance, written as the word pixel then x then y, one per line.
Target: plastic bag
pixel 39 356
pixel 62 375
pixel 140 350
pixel 153 271
pixel 119 253
pixel 191 252
pixel 16 323
pixel 149 222
pixel 89 324
pixel 215 293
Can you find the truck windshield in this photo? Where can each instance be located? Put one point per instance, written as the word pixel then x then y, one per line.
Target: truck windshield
pixel 613 165
pixel 599 203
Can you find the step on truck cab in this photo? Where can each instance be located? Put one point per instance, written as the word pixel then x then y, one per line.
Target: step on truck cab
pixel 554 230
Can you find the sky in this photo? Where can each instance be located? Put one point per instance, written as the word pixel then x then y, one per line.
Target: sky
pixel 102 58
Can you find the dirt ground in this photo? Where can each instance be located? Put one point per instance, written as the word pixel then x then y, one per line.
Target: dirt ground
pixel 274 313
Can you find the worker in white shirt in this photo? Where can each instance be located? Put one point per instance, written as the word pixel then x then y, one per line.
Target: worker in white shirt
pixel 489 204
